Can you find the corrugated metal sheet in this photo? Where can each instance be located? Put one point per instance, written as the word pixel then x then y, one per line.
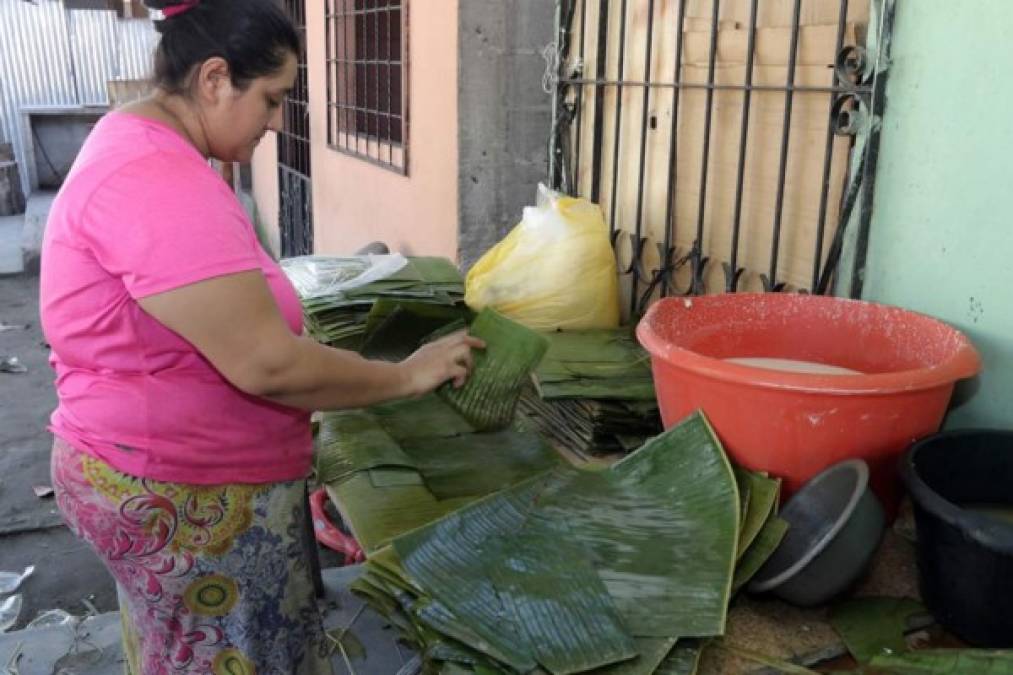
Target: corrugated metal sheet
pixel 137 48
pixel 53 57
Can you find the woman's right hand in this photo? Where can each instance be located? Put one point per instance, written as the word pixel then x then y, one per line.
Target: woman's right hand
pixel 448 358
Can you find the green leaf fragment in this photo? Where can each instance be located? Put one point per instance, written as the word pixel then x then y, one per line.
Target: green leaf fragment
pixel 874 626
pixel 762 493
pixel 945 662
pixel 766 542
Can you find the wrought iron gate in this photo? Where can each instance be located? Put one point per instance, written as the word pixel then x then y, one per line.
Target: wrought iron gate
pixel 723 133
pixel 294 170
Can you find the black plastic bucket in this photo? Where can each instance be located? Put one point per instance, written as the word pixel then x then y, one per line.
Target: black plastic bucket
pixel 965 557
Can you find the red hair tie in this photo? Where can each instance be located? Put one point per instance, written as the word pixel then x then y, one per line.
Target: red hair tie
pixel 176 10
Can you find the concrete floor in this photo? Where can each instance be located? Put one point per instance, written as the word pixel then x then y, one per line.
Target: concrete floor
pixel 31 530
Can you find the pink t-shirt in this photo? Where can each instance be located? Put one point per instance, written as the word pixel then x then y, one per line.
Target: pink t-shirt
pixel 142 213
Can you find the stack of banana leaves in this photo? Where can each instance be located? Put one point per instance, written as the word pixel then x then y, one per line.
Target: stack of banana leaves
pixel 594 393
pixel 621 571
pixel 492 554
pixel 422 296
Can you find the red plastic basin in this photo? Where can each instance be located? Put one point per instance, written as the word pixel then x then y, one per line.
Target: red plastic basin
pixel 794 425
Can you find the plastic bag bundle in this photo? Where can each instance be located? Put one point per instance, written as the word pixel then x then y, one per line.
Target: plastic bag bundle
pixel 555 270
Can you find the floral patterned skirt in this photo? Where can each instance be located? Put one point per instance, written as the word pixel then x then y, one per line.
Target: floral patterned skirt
pixel 211 579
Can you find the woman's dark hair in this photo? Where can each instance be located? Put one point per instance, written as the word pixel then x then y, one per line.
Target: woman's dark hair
pixel 253 36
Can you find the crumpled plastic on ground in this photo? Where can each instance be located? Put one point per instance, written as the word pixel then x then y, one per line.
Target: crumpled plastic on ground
pixel 11 581
pixel 10 609
pixel 52 619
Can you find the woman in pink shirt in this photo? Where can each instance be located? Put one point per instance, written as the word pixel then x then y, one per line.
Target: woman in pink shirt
pixel 185 381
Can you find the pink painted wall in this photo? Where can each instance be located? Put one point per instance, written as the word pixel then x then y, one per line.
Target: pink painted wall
pixel 355 202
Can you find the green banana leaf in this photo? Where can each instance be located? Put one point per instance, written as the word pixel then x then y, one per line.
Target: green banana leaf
pixel 945 662
pixel 663 526
pixel 683 659
pixel 558 600
pixel 659 531
pixel 477 464
pixel 873 626
pixel 594 355
pixel 340 318
pixel 394 476
pixel 351 441
pixel 488 399
pixel 377 515
pixel 592 427
pixel 744 485
pixel 615 388
pixel 396 328
pixel 425 417
pixel 651 654
pixel 762 493
pixel 763 546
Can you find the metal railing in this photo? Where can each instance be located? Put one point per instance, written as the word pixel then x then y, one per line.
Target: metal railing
pixel 597 145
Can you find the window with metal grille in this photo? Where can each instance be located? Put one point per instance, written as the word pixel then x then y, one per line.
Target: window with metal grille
pixel 367 83
pixel 294 168
pixel 718 136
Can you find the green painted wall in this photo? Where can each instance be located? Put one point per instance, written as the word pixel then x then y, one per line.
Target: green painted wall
pixel 942 229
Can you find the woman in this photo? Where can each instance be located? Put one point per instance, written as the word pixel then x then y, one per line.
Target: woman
pixel 182 432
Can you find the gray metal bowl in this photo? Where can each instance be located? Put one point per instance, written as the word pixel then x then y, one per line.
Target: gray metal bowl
pixel 836 524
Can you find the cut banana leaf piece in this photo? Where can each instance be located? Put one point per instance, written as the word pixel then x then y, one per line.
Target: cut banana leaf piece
pixel 377 515
pixel 945 662
pixel 659 530
pixel 762 495
pixel 451 559
pixel 662 526
pixel 425 417
pixel 763 546
pixel 651 654
pixel 394 476
pixel 683 659
pixel 395 329
pixel 489 398
pixel 558 600
pixel 477 464
pixel 594 354
pixel 874 626
pixel 352 441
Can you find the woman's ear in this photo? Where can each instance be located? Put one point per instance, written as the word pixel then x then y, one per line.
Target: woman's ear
pixel 213 80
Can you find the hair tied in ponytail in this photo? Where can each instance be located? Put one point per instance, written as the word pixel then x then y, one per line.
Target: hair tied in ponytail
pixel 174 10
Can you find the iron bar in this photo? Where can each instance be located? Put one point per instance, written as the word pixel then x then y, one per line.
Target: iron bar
pixel 579 100
pixel 771 282
pixel 599 102
pixel 390 76
pixel 635 263
pixel 673 156
pixel 351 75
pixel 619 118
pixel 332 70
pixel 801 88
pixel 699 261
pixel 376 71
pixel 732 270
pixel 872 149
pixel 828 154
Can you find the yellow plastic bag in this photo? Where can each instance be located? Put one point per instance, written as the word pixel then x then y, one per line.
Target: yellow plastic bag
pixel 554 270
